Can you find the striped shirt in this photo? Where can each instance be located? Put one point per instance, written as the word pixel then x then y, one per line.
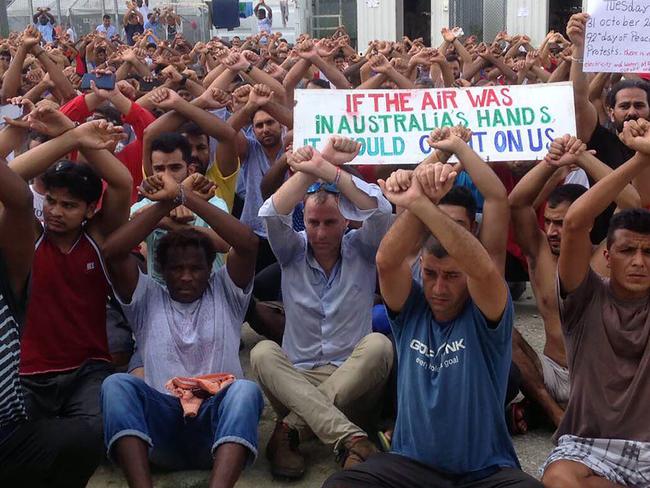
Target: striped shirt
pixel 12 405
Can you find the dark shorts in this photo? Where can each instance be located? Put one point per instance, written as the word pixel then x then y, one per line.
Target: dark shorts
pixel 387 470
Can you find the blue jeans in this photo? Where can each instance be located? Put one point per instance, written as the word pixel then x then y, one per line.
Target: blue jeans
pixel 132 408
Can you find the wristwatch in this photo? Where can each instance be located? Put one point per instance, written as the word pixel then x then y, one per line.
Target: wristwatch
pixel 249 69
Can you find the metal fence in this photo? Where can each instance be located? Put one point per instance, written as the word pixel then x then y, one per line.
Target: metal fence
pixel 482 18
pixel 86 15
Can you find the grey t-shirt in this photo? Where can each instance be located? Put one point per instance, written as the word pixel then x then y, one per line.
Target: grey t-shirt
pixel 608 354
pixel 188 339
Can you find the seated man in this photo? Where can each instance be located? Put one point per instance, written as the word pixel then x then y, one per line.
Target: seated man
pixel 545 377
pixel 330 365
pixel 604 439
pixel 64 353
pixel 453 338
pixel 189 327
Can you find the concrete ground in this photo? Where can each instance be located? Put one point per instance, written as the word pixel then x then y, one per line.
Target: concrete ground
pixel 531 448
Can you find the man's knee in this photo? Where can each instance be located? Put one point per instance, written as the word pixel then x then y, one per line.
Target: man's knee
pixel 120 390
pixel 564 474
pixel 262 355
pixel 378 351
pixel 247 392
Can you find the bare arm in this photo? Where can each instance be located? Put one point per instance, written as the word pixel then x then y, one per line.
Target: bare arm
pixel 16 228
pixel 586 115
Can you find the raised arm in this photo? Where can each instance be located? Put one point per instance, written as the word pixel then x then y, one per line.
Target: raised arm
pixel 406 235
pixel 586 114
pixel 16 228
pixel 13 76
pixel 575 253
pixel 309 51
pixel 381 65
pixel 61 82
pixel 496 211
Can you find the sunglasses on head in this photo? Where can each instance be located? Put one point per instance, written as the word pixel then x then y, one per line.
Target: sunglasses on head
pixel 318 186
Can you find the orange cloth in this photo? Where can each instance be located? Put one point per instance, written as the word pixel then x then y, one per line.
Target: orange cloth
pixel 192 391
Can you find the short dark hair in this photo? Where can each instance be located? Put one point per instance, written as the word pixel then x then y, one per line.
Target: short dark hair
pixel 192 129
pixel 111 114
pixel 625 84
pixel 78 178
pixel 452 57
pixel 461 196
pixel 432 246
pixel 319 82
pixel 168 142
pixel 181 239
pixel 152 45
pixel 633 219
pixel 106 16
pixel 565 193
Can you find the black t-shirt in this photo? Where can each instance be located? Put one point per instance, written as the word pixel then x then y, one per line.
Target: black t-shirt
pixel 131 29
pixel 611 151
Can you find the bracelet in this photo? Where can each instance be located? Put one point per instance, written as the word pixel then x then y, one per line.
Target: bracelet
pixel 337 178
pixel 180 198
pixel 576 60
pixel 249 69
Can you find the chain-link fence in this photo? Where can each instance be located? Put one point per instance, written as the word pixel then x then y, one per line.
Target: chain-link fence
pixel 482 18
pixel 86 15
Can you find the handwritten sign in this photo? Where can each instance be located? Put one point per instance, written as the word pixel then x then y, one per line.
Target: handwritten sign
pixel 617 39
pixel 508 123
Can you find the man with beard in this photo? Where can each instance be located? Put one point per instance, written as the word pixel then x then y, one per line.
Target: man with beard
pixel 171 155
pixel 257 154
pixel 545 377
pixel 627 100
pixel 604 439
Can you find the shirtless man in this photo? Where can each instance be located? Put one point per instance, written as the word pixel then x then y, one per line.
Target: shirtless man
pixel 545 377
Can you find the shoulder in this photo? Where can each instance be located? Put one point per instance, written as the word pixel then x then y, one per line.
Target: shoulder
pixel 219 203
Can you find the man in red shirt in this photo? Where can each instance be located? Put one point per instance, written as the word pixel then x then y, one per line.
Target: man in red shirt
pixel 82 107
pixel 64 351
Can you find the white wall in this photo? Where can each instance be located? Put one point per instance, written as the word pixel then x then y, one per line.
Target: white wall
pixel 383 23
pixel 439 19
pixel 534 23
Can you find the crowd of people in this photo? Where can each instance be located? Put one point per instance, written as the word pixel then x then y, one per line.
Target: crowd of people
pixel 146 215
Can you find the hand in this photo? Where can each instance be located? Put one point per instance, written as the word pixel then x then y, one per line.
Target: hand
pixel 448 35
pixel 235 62
pixel 165 98
pixel 564 151
pixel 400 65
pixel 200 185
pixel 215 98
pixel 159 188
pixel 308 160
pixel 30 38
pixel 127 89
pixel 399 180
pixel 340 150
pixel 380 64
pixel 260 95
pixel 576 28
pixel 307 50
pixel 399 196
pixel 435 179
pixel 48 120
pixel 98 134
pixel 172 74
pixel 532 58
pixel 385 48
pixel 445 140
pixel 182 215
pixel 422 57
pixel 242 93
pixel 636 135
pixel 251 57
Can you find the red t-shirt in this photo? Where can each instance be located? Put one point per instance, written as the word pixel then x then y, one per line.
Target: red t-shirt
pixel 131 156
pixel 66 316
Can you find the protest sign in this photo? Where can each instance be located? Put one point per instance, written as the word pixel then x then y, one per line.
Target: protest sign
pixel 617 39
pixel 508 123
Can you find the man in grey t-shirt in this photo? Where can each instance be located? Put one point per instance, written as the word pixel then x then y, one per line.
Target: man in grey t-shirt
pixel 188 328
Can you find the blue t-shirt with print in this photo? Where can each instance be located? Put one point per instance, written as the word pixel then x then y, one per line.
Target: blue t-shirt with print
pixel 452 380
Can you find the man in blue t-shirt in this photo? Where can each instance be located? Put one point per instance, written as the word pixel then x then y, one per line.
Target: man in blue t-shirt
pixel 453 339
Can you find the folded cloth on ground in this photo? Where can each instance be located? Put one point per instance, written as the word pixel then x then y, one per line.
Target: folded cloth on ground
pixel 192 391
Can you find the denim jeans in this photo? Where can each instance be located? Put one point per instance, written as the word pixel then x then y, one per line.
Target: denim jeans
pixel 132 408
